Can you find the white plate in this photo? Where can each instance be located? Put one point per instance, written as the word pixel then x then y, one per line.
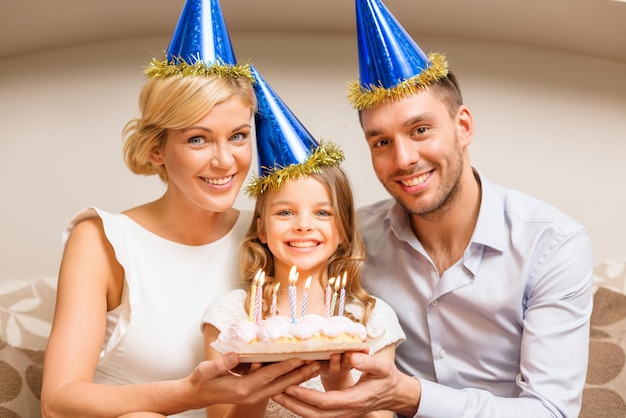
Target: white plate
pixel 267 351
pixel 275 357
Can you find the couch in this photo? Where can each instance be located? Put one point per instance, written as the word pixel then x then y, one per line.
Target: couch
pixel 27 306
pixel 26 309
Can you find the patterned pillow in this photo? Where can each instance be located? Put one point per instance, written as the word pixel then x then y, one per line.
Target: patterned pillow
pixel 604 394
pixel 20 382
pixel 610 274
pixel 26 310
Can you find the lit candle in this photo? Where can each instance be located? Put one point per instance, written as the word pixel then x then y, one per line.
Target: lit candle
pixel 342 294
pixel 327 300
pixel 334 302
pixel 305 296
pixel 251 307
pixel 274 293
pixel 258 304
pixel 293 278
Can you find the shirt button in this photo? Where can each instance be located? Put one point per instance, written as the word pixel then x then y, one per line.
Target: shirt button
pixel 435 302
pixel 442 353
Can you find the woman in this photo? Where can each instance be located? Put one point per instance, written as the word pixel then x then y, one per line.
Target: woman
pixel 132 287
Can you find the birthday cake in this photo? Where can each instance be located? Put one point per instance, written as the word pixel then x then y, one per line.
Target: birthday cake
pixel 279 337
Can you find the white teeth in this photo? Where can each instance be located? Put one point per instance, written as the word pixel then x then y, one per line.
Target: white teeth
pixel 217 182
pixel 302 244
pixel 415 181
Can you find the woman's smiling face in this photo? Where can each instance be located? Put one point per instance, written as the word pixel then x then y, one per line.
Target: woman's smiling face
pixel 208 162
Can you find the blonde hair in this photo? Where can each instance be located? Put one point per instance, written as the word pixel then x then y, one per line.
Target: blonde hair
pixel 175 103
pixel 348 257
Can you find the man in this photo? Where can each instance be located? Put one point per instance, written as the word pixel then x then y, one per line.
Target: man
pixel 491 286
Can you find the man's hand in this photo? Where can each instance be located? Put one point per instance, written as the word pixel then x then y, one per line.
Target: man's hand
pixel 381 387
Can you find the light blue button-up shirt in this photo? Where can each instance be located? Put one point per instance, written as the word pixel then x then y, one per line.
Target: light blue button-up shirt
pixel 504 332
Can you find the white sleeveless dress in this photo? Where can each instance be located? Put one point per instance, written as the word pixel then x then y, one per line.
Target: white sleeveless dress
pixel 383 329
pixel 155 334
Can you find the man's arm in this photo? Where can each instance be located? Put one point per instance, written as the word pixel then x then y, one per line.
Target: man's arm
pixel 381 387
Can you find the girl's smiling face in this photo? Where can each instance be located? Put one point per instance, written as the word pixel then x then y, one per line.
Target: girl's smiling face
pixel 299 227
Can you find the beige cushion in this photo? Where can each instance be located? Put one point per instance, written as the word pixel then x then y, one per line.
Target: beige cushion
pixel 605 389
pixel 610 274
pixel 27 310
pixel 20 382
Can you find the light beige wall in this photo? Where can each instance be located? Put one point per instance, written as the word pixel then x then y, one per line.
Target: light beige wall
pixel 547 123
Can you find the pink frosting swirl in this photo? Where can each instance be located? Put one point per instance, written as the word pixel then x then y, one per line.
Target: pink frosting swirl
pixel 239 331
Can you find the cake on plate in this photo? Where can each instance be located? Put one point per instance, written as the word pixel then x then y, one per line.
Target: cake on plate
pixel 311 337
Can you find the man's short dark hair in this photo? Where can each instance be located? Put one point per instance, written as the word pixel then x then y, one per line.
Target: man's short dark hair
pixel 447 89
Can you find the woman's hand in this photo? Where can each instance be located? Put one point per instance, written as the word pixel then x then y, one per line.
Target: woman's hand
pixel 214 382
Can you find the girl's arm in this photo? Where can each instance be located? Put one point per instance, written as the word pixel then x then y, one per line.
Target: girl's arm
pixel 228 410
pixel 336 373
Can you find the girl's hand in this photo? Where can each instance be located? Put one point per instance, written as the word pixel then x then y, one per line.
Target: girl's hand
pixel 335 373
pixel 337 364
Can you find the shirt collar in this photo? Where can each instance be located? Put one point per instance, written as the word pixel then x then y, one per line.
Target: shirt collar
pixel 490 226
pixel 399 221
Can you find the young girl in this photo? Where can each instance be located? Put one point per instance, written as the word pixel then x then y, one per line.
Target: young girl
pixel 303 217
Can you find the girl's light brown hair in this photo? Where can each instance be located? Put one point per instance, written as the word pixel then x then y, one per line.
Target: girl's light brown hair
pixel 174 103
pixel 348 257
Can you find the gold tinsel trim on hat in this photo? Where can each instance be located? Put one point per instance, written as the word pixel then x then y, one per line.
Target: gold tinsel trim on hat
pixel 372 96
pixel 164 68
pixel 326 154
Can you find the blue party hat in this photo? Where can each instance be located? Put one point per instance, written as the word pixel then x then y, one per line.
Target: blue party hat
pixel 200 45
pixel 285 148
pixel 391 64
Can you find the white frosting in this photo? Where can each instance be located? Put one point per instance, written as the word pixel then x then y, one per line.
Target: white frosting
pixel 306 327
pixel 272 328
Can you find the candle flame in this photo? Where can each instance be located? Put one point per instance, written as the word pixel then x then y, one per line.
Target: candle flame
pixel 308 283
pixel 293 275
pixel 345 278
pixel 276 287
